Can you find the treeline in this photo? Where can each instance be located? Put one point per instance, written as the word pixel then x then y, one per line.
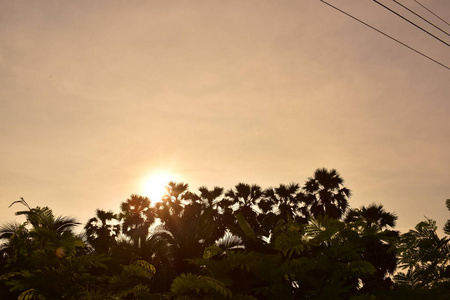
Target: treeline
pixel 287 242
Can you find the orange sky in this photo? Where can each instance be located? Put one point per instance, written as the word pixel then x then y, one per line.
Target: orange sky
pixel 97 95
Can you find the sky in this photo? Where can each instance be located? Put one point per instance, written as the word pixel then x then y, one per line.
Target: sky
pixel 96 96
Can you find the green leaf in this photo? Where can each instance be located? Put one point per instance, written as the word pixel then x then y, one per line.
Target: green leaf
pixel 146 266
pixel 30 294
pixel 211 251
pixel 447 227
pixel 196 285
pixel 245 226
pixel 289 240
pixel 361 267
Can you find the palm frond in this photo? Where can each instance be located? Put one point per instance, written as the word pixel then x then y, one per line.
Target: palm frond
pixel 195 285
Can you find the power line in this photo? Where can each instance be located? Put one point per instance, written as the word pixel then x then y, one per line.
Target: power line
pixel 432 13
pixel 416 14
pixel 409 21
pixel 385 34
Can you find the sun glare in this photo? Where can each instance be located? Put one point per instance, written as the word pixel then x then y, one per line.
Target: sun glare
pixel 154 186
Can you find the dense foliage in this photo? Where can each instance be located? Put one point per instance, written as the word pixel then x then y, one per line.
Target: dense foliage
pixel 286 242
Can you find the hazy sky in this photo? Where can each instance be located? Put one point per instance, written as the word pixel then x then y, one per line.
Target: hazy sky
pixel 97 95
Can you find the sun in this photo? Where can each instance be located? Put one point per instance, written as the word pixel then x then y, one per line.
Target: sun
pixel 154 186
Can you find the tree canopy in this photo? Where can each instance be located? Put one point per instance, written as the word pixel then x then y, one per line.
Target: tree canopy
pixel 287 242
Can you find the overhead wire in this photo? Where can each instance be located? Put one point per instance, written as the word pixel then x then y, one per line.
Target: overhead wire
pixel 432 12
pixel 424 19
pixel 385 34
pixel 411 22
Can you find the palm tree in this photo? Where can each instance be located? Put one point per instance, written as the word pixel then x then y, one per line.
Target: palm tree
pixel 210 197
pixel 325 194
pixel 137 216
pixel 192 221
pixel 286 202
pixel 243 199
pixel 372 215
pixel 182 215
pixel 42 256
pixel 161 247
pixel 219 213
pixel 47 231
pixel 379 243
pixel 16 245
pixel 245 195
pixel 43 218
pixel 100 233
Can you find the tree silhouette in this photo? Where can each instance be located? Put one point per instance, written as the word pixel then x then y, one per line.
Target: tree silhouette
pixel 379 243
pixel 244 199
pixel 210 198
pixel 425 257
pixel 189 221
pixel 44 264
pixel 100 233
pixel 325 194
pixel 447 224
pixel 373 215
pixel 137 216
pixel 285 242
pixel 162 249
pixel 286 201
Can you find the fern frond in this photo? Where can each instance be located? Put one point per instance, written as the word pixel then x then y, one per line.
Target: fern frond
pixel 289 240
pixel 196 285
pixel 31 294
pixel 148 267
